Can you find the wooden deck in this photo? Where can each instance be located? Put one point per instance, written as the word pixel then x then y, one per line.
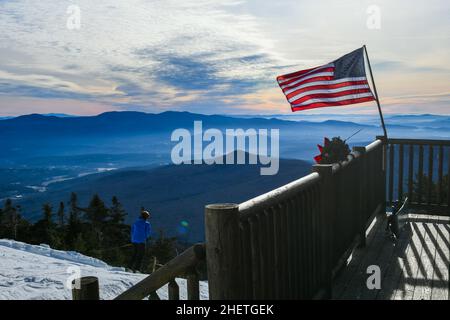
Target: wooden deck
pixel 413 268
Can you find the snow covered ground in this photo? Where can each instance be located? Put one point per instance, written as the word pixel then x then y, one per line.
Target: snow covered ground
pixel 39 272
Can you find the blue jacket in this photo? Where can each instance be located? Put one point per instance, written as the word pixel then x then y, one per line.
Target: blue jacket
pixel 140 231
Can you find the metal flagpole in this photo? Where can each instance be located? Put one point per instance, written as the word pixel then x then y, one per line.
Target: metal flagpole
pixel 376 94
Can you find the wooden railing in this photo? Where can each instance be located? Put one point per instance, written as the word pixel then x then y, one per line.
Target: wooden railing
pixel 290 242
pixel 287 243
pixel 417 169
pixel 183 265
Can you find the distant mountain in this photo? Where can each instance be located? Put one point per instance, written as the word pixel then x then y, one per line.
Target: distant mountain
pixel 342 123
pixel 356 118
pixel 115 123
pixel 135 123
pixel 173 193
pixel 430 121
pixel 416 117
pixel 443 124
pixel 60 115
pixel 36 135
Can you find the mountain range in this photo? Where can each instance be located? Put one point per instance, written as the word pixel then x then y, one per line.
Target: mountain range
pixel 31 136
pixel 43 158
pixel 174 194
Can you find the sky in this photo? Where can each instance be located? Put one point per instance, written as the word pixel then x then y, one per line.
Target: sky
pixel 214 57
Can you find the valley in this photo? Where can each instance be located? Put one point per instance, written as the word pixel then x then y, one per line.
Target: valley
pixel 128 154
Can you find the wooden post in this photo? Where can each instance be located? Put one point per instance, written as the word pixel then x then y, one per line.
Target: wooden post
pixel 430 174
pixel 410 172
pixel 85 288
pixel 420 178
pixel 362 216
pixel 327 220
pixel 153 296
pixel 154 264
pixel 400 173
pixel 174 290
pixel 440 170
pixel 384 165
pixel 193 289
pixel 391 173
pixel 448 185
pixel 223 251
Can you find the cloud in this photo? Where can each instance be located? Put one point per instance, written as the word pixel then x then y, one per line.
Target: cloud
pixel 26 105
pixel 208 55
pixel 137 49
pixel 399 66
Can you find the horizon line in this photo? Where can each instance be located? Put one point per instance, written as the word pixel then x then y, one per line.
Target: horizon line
pixel 63 115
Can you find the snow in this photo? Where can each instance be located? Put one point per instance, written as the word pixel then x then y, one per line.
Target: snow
pixel 32 272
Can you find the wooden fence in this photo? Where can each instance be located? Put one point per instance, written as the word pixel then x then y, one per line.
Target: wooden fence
pixel 183 265
pixel 418 169
pixel 286 244
pixel 290 242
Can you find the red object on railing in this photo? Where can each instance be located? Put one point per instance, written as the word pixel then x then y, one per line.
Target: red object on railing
pixel 318 158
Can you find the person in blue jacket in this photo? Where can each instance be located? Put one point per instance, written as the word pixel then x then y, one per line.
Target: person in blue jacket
pixel 140 232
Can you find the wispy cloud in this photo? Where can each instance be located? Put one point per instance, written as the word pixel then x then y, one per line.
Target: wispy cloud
pixel 208 55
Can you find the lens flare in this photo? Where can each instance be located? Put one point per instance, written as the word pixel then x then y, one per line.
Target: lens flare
pixel 185 224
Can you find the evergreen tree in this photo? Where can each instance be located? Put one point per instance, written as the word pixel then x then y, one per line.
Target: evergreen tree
pixel 74 213
pixel 44 231
pixel 97 216
pixel 12 225
pixel 10 219
pixel 79 244
pixel 116 234
pixel 97 213
pixel 60 215
pixel 100 232
pixel 74 226
pixel 117 212
pixel 47 210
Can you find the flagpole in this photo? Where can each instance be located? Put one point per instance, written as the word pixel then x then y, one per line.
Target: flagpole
pixel 376 93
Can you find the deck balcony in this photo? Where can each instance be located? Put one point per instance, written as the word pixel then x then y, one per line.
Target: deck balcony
pixel 324 235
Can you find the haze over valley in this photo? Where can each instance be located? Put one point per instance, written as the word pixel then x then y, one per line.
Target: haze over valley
pixel 43 158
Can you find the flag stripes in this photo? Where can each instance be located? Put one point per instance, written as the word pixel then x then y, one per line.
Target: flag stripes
pixel 327 92
pixel 331 102
pixel 327 83
pixel 321 87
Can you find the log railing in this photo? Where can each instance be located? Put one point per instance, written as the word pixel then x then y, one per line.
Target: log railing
pixel 419 169
pixel 290 242
pixel 183 265
pixel 286 244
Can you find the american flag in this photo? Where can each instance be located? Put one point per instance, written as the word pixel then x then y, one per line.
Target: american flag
pixel 338 83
